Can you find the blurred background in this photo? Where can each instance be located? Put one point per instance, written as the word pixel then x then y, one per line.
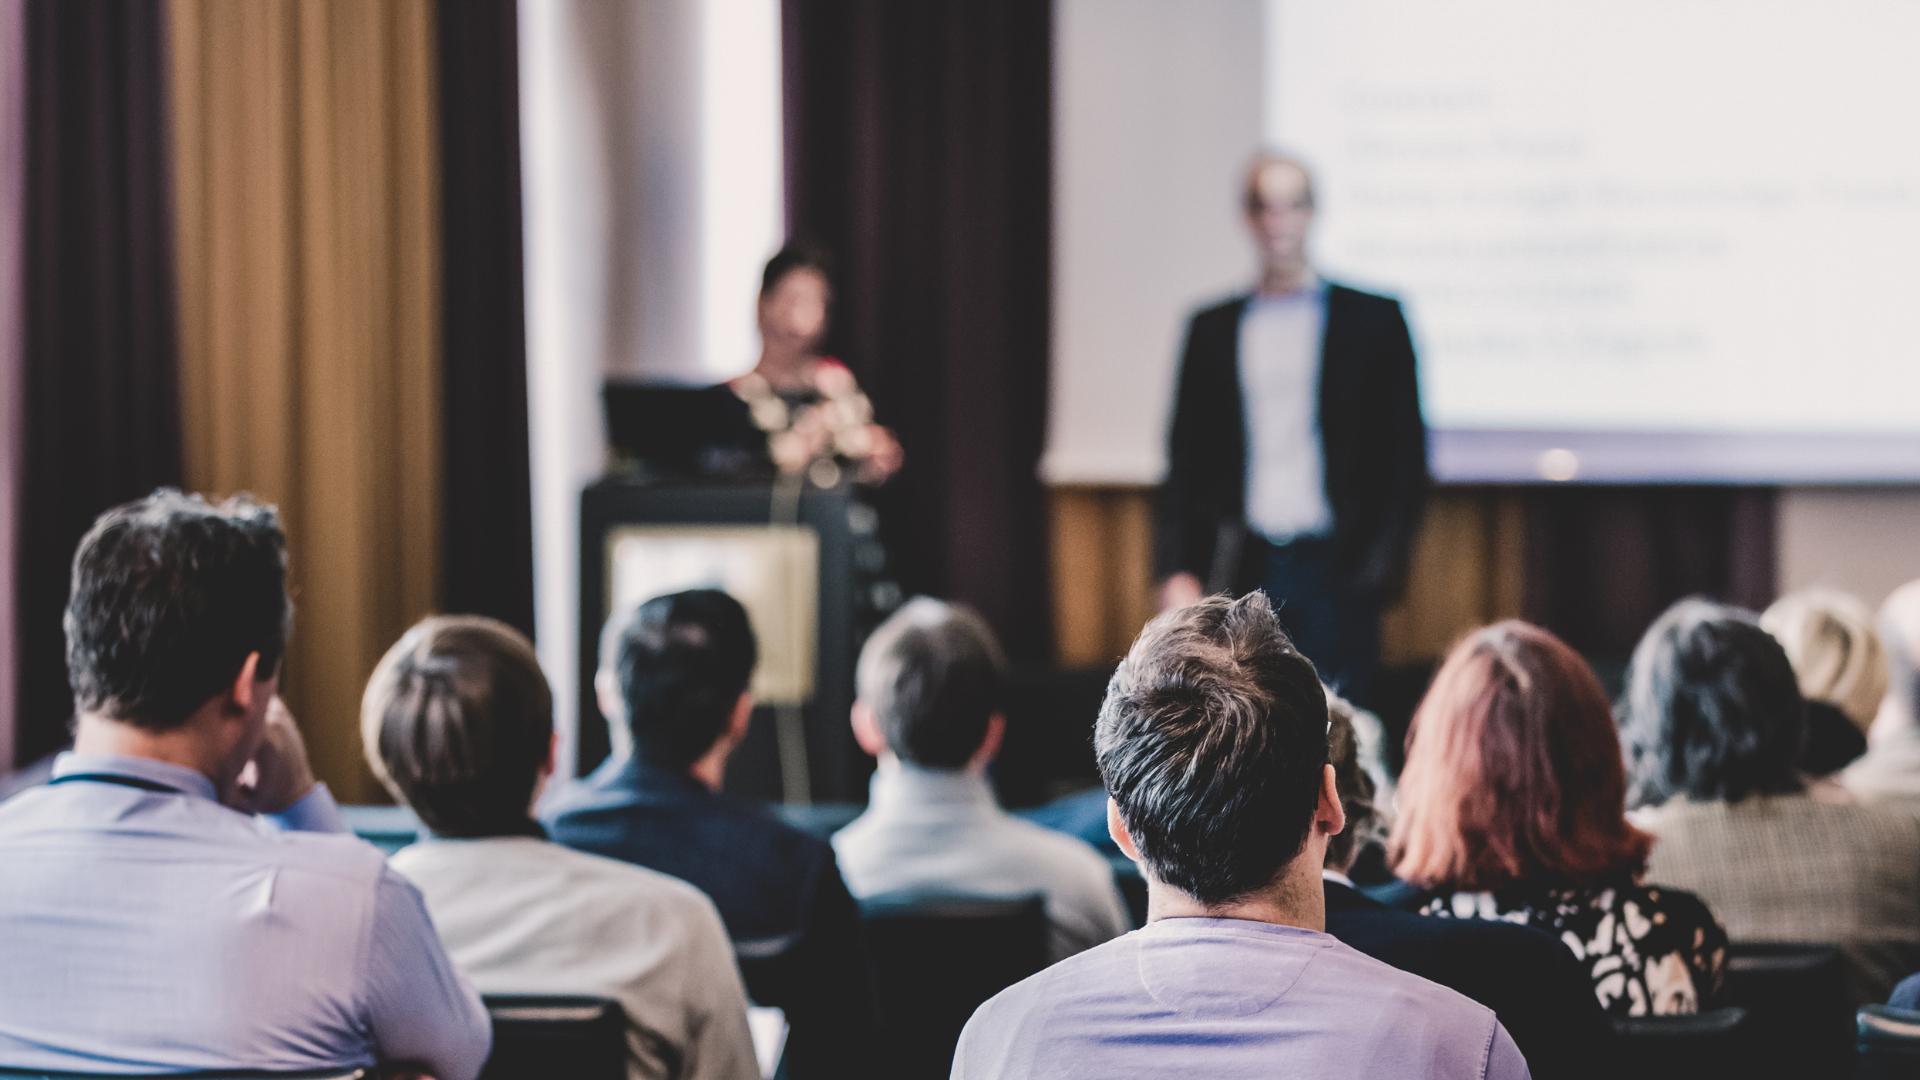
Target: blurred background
pixel 377 261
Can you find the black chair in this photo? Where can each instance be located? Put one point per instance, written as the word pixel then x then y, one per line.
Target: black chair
pixel 1888 1043
pixel 539 1036
pixel 935 960
pixel 1710 1043
pixel 1801 1013
pixel 819 820
pixel 771 969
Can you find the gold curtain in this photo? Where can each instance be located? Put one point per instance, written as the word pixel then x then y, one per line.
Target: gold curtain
pixel 308 219
pixel 1467 571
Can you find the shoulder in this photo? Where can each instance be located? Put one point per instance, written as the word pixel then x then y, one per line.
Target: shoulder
pixel 1221 310
pixel 576 871
pixel 757 834
pixel 343 857
pixel 1066 856
pixel 854 833
pixel 1360 299
pixel 1669 901
pixel 652 904
pixel 1409 994
pixel 1897 820
pixel 1105 965
pixel 1479 905
pixel 581 795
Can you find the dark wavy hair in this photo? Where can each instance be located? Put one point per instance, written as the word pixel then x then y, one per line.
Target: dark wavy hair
pixel 682 661
pixel 1712 710
pixel 169 595
pixel 1212 741
pixel 796 255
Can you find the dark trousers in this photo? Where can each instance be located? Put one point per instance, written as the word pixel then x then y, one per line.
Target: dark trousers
pixel 1333 625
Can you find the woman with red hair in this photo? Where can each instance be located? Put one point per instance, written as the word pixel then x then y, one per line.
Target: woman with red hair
pixel 1512 806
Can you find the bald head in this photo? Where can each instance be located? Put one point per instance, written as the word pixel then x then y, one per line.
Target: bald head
pixel 1272 175
pixel 1277 196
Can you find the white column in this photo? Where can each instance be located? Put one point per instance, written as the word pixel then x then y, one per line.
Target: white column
pixel 1157 108
pixel 651 164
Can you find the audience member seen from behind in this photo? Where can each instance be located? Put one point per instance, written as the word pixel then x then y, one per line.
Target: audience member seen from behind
pixel 674 686
pixel 1891 767
pixel 1513 807
pixel 1539 992
pixel 1836 655
pixel 1213 744
pixel 458 724
pixel 1713 724
pixel 929 684
pixel 169 902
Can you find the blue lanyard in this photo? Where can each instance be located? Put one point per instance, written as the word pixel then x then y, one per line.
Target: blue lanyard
pixel 115 778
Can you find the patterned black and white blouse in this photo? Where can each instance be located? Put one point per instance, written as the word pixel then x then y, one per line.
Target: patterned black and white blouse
pixel 1650 951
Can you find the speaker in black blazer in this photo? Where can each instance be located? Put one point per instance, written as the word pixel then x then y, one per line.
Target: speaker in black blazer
pixel 1530 981
pixel 1373 440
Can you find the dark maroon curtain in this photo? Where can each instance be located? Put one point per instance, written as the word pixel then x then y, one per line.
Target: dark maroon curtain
pixel 100 386
pixel 1603 562
pixel 918 151
pixel 487 507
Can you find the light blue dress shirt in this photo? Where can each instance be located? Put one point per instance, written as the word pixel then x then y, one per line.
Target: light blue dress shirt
pixel 1224 998
pixel 1286 485
pixel 144 927
pixel 942 831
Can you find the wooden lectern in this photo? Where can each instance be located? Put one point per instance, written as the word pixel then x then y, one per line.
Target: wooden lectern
pixel 803 560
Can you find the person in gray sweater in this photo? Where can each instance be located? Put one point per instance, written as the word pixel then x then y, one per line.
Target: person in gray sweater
pixel 1712 725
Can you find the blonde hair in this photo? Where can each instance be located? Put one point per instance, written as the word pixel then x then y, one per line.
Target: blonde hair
pixel 1836 654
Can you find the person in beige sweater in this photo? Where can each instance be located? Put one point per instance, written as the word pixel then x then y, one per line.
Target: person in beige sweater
pixel 1712 723
pixel 458 724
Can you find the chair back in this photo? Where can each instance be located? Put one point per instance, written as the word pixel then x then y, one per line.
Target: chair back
pixel 1888 1042
pixel 773 971
pixel 935 960
pixel 1687 1047
pixel 537 1036
pixel 1802 1014
pixel 388 828
pixel 819 820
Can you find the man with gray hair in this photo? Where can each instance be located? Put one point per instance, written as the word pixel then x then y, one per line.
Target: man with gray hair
pixel 929 685
pixel 1890 769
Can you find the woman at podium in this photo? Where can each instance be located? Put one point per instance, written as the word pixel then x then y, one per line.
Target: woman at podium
pixel 807 407
pixel 798 413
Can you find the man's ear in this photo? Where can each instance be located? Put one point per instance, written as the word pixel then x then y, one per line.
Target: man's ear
pixel 241 695
pixel 606 692
pixel 548 766
pixel 742 716
pixel 866 730
pixel 1117 829
pixel 1329 816
pixel 990 743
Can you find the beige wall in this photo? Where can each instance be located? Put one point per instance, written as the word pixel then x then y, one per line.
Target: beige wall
pixel 1466 572
pixel 1861 540
pixel 1467 565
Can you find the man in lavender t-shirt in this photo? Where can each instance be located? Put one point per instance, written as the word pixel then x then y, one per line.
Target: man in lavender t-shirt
pixel 1213 745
